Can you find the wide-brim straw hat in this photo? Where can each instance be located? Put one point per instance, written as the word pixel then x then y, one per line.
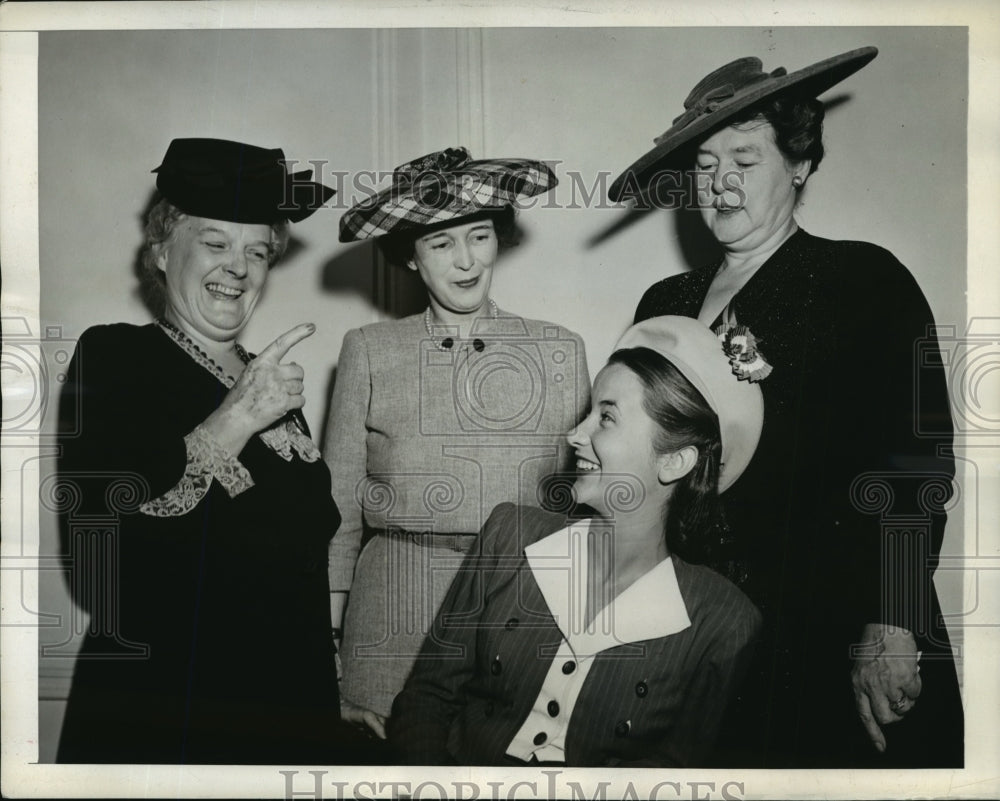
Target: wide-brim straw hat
pixel 443 187
pixel 724 93
pixel 698 354
pixel 224 180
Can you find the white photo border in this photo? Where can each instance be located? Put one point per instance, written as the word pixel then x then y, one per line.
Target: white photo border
pixel 23 777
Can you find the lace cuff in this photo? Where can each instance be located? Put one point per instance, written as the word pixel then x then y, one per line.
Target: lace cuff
pixel 206 460
pixel 286 438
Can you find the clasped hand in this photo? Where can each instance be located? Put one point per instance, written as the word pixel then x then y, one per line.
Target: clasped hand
pixel 886 678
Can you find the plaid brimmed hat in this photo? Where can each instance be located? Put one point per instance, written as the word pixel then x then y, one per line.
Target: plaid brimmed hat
pixel 224 180
pixel 724 93
pixel 442 187
pixel 697 353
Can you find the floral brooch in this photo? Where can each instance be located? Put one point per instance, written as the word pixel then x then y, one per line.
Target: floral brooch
pixel 740 347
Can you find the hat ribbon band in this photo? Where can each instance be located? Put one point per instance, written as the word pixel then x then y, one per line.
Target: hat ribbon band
pixel 714 99
pixel 707 103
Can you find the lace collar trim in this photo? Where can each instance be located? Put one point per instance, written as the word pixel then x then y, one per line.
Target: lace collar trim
pixel 189 346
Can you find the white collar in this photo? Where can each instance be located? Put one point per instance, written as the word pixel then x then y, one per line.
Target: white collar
pixel 651 607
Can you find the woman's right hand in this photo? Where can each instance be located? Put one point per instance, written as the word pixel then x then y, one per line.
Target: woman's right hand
pixel 361 716
pixel 265 391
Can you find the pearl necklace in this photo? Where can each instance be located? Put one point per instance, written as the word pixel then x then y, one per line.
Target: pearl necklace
pixel 448 343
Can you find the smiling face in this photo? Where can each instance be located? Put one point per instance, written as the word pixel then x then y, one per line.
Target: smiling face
pixel 614 442
pixel 456 266
pixel 752 195
pixel 215 271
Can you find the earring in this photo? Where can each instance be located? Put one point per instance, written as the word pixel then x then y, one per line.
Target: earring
pixel 797 181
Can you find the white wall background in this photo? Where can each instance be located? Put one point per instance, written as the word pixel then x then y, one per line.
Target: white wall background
pixel 591 99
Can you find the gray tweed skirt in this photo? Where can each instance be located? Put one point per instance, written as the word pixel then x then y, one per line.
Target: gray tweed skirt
pixel 399 583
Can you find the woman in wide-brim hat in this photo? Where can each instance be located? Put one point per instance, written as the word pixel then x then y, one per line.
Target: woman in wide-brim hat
pixel 196 509
pixel 438 417
pixel 596 641
pixel 834 333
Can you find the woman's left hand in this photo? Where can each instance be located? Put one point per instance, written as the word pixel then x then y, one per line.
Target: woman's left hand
pixel 886 678
pixel 361 716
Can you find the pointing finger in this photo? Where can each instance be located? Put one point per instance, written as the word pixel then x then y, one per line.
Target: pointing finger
pixel 276 350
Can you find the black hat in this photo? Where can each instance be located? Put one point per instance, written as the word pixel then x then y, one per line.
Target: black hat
pixel 724 93
pixel 232 181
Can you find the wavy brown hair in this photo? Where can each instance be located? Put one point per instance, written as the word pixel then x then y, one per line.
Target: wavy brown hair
pixel 797 123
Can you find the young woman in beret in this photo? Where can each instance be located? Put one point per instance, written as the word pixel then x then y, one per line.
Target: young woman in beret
pixel 196 507
pixel 596 642
pixel 438 417
pixel 856 668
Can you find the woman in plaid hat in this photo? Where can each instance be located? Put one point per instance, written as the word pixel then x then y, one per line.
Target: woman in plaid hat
pixel 837 523
pixel 438 417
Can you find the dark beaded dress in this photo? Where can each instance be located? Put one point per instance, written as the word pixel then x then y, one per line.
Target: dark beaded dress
pixel 839 518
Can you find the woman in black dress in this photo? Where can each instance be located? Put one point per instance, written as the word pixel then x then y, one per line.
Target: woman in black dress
pixel 856 668
pixel 204 566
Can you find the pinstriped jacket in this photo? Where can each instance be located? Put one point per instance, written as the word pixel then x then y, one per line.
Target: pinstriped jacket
pixel 657 702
